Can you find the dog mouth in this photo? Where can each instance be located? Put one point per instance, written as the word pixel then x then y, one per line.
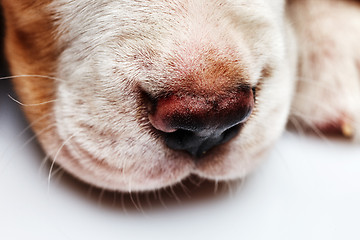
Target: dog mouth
pixel 169 139
pixel 183 153
pixel 103 174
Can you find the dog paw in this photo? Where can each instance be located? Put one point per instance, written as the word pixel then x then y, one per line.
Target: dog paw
pixel 328 91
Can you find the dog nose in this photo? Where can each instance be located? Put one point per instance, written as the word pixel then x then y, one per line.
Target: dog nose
pixel 198 122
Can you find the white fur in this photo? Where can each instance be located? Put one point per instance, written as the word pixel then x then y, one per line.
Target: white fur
pixel 111 48
pixel 328 92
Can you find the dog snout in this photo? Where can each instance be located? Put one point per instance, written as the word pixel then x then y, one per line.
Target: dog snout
pixel 198 122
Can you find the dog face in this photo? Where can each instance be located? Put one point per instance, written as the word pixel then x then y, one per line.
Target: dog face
pixel 138 95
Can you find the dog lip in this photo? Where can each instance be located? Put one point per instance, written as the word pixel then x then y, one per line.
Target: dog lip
pixel 80 159
pixel 84 154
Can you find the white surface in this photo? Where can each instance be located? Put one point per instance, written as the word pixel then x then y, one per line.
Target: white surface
pixel 308 188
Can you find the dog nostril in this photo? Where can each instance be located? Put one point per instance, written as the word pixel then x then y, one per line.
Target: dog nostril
pixel 197 123
pixel 198 145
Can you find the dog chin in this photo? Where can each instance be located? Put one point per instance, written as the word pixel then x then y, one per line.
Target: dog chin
pixel 151 171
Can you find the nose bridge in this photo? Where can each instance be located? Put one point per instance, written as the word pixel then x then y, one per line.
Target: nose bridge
pixel 204 43
pixel 209 59
pixel 201 13
pixel 208 69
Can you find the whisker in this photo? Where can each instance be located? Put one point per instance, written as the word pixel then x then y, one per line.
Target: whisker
pixel 60 172
pixel 297 125
pixel 308 122
pixel 318 132
pixel 175 195
pixel 138 200
pixel 33 123
pixel 43 163
pixel 242 183
pixel 57 171
pixel 44 130
pixel 133 202
pixel 18 136
pixel 89 192
pixel 27 142
pixel 32 75
pixel 56 156
pixel 216 186
pixel 32 104
pixel 308 119
pixel 101 197
pixel 161 199
pixel 114 200
pixel 122 202
pixel 185 189
pixel 196 182
pixel 230 189
pixel 247 159
pixel 312 127
pixel 148 200
pixel 167 192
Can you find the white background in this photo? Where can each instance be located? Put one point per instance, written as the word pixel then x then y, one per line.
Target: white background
pixel 307 188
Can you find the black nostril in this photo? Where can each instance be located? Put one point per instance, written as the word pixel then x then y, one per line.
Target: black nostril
pixel 197 145
pixel 198 122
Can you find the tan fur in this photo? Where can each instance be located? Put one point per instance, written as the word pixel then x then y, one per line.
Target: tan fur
pixel 31 50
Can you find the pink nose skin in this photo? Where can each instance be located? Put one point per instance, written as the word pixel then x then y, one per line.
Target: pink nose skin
pixel 197 123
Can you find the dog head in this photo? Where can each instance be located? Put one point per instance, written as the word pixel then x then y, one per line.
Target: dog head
pixel 138 95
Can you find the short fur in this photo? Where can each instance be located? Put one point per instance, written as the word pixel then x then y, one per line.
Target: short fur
pixel 100 56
